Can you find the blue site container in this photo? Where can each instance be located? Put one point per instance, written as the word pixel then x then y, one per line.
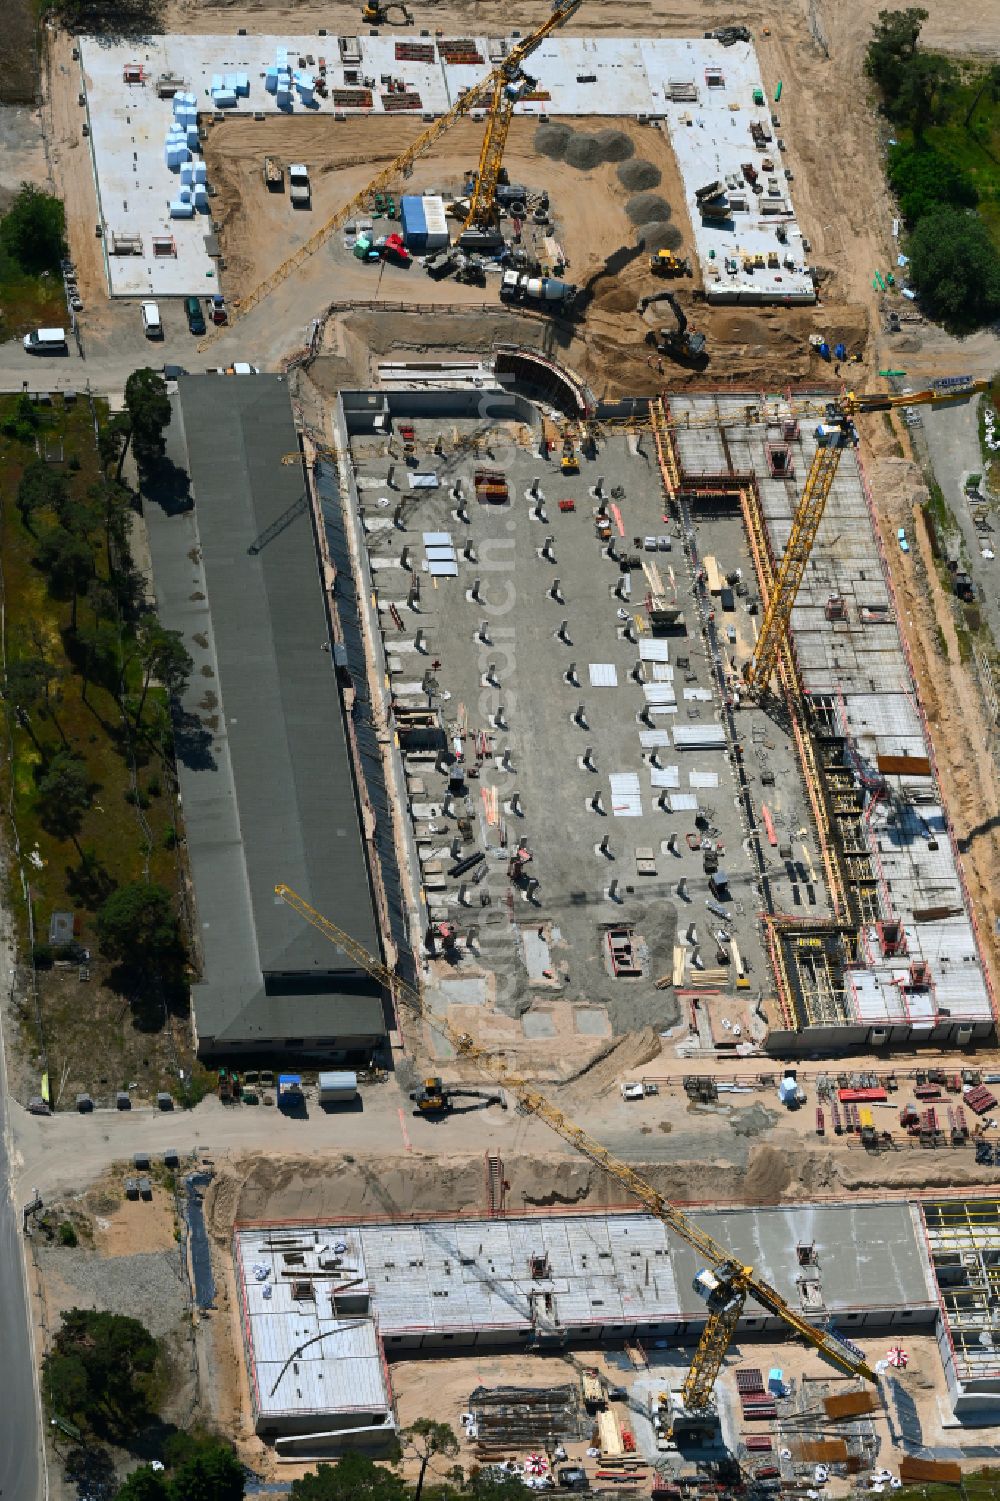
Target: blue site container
pixel 413 223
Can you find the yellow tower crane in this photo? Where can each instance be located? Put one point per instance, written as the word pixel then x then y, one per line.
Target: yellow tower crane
pixel 723 1282
pixel 510 85
pixel 834 434
pixel 501 88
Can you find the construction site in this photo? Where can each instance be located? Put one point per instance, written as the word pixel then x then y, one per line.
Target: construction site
pixel 576 775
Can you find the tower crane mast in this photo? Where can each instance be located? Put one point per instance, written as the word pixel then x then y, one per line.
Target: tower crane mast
pixel 510 86
pixel 724 1282
pixel 835 433
pixel 502 87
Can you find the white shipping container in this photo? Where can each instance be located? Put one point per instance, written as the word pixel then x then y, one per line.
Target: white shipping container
pixel 338 1087
pixel 437 223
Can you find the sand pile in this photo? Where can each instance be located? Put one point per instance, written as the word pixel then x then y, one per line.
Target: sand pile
pixel 638 175
pixel 648 208
pixel 552 140
pixel 659 236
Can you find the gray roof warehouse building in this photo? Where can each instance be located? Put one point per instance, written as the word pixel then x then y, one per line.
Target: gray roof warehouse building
pixel 266 775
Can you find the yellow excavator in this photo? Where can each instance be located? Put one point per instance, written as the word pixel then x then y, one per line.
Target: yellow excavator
pixel 723 1282
pixel 434 1097
pixel 379 13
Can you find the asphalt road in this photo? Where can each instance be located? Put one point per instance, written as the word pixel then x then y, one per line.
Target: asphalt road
pixel 952 439
pixel 22 1473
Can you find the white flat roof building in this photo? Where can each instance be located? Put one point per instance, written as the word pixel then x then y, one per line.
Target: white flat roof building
pixel 702 91
pixel 323 1306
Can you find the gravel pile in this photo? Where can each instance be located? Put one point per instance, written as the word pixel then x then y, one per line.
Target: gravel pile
pixel 583 152
pixel 645 208
pixel 552 140
pixel 149 1286
pixel 659 236
pixel 614 145
pixel 638 175
pixel 561 143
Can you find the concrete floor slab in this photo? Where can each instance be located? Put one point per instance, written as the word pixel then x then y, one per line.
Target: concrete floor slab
pixel 577 76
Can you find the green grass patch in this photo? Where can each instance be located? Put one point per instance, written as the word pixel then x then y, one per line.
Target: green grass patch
pixel 939 511
pixel 94 1039
pixel 28 302
pixel 969 138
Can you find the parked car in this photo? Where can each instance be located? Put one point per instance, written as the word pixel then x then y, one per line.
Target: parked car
pixel 904 546
pixel 151 322
pixel 195 316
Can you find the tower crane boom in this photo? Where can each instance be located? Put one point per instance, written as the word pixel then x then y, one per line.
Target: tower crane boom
pixel 501 88
pixel 835 434
pixel 724 1282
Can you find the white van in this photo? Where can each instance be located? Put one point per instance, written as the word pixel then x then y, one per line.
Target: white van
pixel 45 341
pixel 151 323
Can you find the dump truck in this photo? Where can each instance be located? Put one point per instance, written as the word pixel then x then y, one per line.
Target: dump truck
pixel 274 175
pixel 298 185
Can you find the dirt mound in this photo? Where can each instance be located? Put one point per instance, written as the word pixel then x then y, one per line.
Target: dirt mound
pixel 638 174
pixel 616 300
pixel 768 1175
pixel 552 140
pixel 659 236
pixel 629 1052
pixel 615 145
pixel 647 208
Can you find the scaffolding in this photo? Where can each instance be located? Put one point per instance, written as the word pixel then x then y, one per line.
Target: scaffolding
pixel 963 1237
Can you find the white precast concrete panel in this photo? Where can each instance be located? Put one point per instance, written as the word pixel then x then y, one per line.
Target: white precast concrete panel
pixel 606 76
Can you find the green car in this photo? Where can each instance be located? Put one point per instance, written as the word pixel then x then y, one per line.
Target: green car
pixel 195 316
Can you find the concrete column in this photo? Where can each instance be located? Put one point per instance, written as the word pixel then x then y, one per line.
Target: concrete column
pixel 597 802
pixel 475 591
pixel 483 634
pixel 605 846
pixel 548 549
pixel 463 894
pixel 563 632
pixel 691 936
pixel 556 593
pixel 620 590
pixel 580 717
pixel 420 641
pixel 614 890
pixel 682 889
pixel 390 478
pixel 469 553
pixel 404 559
pixel 491 675
pixel 571 675
pixel 505 759
pixel 516 806
pixel 588 759
pixel 499 722
pixel 397 516
pixel 672 844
